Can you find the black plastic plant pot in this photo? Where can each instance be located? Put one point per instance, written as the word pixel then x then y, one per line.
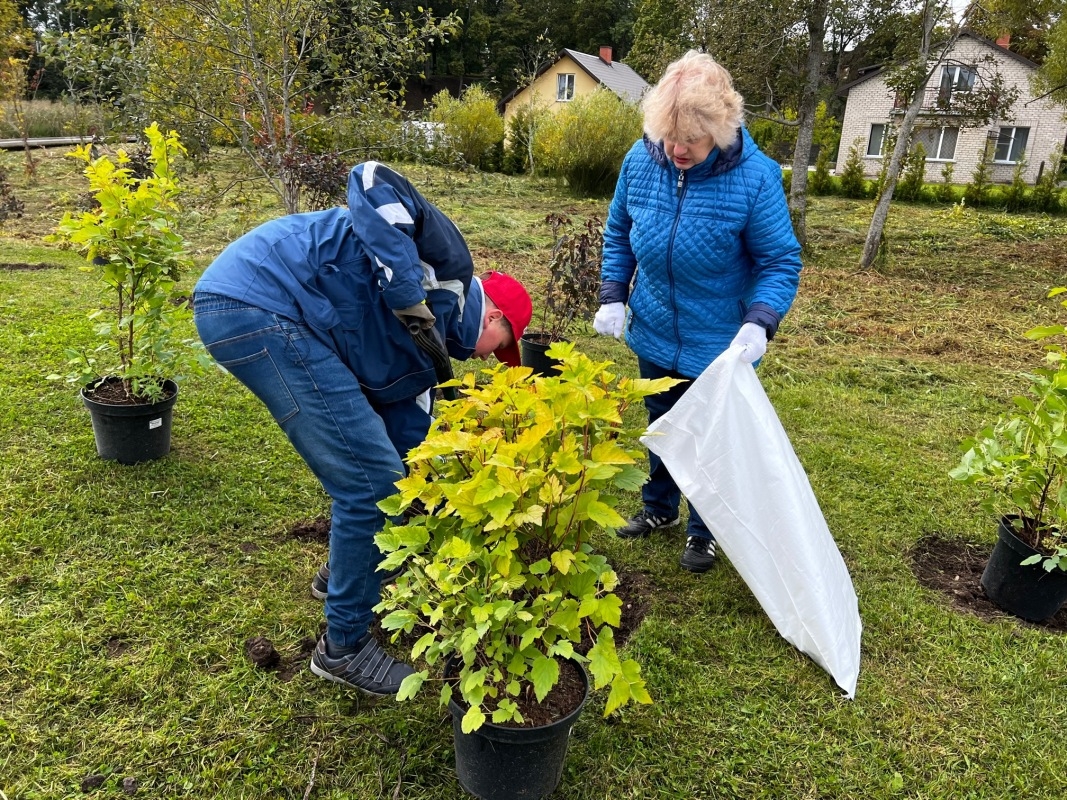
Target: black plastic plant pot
pixel 534 347
pixel 499 763
pixel 1027 592
pixel 130 434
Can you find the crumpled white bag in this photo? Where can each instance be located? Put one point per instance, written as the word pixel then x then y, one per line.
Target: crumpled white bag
pixel 724 446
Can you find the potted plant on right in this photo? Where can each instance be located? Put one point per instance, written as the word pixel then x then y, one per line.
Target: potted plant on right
pixel 572 293
pixel 501 584
pixel 130 243
pixel 1021 464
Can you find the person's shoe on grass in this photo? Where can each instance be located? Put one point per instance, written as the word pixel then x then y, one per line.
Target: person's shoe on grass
pixel 698 555
pixel 643 523
pixel 364 666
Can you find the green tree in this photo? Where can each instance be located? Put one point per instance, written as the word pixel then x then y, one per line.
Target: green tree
pixel 269 61
pixel 914 174
pixel 977 191
pixel 990 98
pixel 586 141
pixel 851 177
pixel 16 47
pixel 945 191
pixel 1015 194
pixel 1046 195
pixel 472 126
pixel 821 181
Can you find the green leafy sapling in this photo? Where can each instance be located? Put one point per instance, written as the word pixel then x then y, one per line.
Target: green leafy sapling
pixel 516 476
pixel 1021 460
pixel 131 243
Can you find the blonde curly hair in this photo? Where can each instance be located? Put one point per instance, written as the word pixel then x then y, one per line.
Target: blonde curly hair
pixel 694 98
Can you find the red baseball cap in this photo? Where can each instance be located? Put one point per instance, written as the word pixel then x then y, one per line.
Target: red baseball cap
pixel 511 298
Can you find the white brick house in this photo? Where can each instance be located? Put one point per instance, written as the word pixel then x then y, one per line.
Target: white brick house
pixel 1035 130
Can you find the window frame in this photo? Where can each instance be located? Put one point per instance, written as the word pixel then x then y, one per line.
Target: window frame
pixel 956 71
pixel 881 140
pixel 564 86
pixel 940 142
pixel 1011 143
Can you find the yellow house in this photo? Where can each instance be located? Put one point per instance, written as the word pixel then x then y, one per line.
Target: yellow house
pixel 571 74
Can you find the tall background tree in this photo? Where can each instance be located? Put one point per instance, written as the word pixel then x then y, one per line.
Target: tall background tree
pixel 920 59
pixel 269 63
pixel 1038 30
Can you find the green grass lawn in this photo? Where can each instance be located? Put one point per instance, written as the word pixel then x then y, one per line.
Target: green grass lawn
pixel 127 593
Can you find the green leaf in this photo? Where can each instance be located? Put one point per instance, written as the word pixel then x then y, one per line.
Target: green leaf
pixel 544 674
pixel 562 560
pixel 604 515
pixel 454 548
pixel 424 641
pixel 472 720
pixel 603 659
pixel 400 619
pixel 627 685
pixel 410 686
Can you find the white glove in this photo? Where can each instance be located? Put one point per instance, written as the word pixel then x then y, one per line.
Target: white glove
pixel 753 338
pixel 610 319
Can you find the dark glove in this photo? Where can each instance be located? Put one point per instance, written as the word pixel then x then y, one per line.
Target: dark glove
pixel 416 318
pixel 431 343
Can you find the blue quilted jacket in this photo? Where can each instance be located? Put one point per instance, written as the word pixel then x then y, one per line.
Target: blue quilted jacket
pixel 342 272
pixel 696 253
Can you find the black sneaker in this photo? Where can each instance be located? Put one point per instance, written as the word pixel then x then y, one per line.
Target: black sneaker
pixel 369 669
pixel 699 554
pixel 643 524
pixel 320 584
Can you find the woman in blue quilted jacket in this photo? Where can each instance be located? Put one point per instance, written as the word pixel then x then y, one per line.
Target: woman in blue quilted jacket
pixel 699 247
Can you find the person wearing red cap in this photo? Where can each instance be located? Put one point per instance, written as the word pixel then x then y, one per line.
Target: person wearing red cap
pixel 341 322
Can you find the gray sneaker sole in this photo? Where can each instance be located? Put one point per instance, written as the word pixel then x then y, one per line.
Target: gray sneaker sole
pixel 322 673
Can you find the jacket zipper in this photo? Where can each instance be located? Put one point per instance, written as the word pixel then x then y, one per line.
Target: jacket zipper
pixel 680 190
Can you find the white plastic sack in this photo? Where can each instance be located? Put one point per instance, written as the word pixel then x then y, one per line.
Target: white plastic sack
pixel 728 453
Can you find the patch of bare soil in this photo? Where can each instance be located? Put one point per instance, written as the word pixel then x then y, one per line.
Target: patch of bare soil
pixel 315 530
pixel 954 568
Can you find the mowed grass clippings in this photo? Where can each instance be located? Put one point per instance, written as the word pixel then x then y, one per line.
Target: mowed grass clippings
pixel 127 594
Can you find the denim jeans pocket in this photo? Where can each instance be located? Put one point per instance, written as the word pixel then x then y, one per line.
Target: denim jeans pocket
pixel 260 373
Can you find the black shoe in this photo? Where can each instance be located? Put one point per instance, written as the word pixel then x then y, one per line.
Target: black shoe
pixel 699 554
pixel 643 524
pixel 369 669
pixel 320 584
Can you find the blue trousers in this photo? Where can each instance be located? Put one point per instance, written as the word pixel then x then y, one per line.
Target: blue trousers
pixel 660 493
pixel 352 446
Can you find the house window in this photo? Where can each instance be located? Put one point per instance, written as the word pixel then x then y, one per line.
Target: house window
pixel 939 143
pixel 954 79
pixel 1011 144
pixel 565 86
pixel 877 140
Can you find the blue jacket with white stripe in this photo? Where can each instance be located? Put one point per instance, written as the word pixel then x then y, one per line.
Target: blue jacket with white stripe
pixel 705 249
pixel 343 271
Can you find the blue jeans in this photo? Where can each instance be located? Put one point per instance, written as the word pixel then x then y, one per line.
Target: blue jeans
pixel 660 493
pixel 351 446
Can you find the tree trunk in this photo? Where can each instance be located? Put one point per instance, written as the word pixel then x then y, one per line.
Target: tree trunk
pixel 798 187
pixel 907 124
